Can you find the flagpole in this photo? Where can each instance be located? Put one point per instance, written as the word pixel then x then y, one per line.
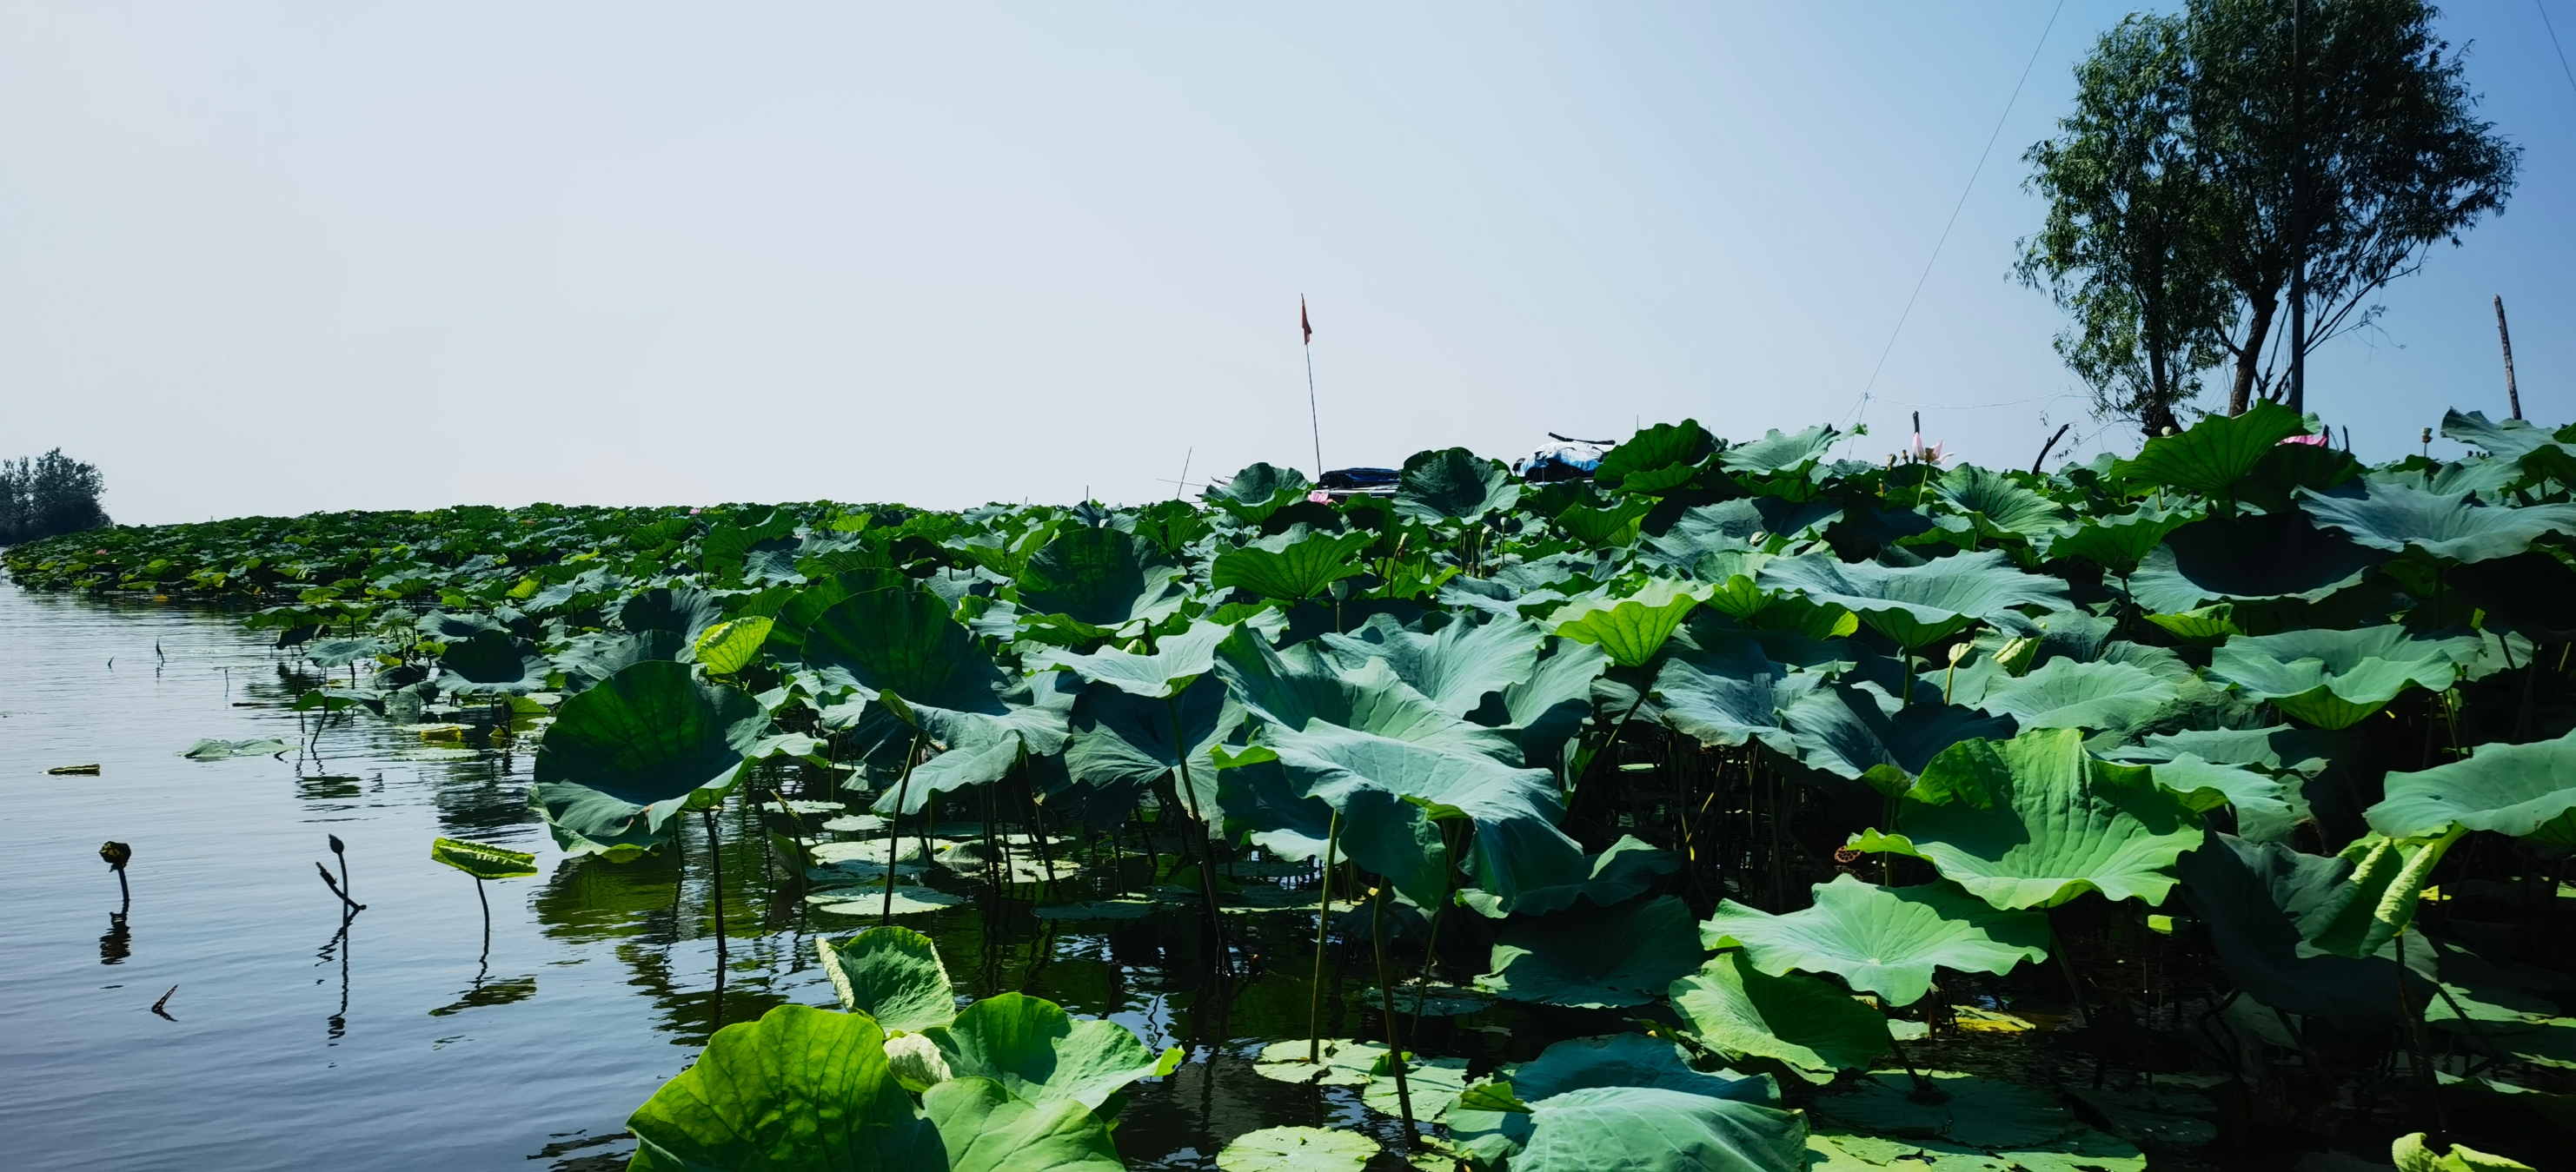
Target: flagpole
pixel 1314 419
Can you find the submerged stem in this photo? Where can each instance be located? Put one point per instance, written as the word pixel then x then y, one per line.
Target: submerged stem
pixel 1386 1001
pixel 1323 921
pixel 894 818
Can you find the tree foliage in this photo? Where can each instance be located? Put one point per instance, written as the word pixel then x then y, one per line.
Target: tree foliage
pixel 49 495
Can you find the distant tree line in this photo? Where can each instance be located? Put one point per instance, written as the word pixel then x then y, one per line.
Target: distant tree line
pixel 2237 183
pixel 46 495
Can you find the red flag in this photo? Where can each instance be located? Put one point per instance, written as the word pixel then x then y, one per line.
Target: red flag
pixel 1304 324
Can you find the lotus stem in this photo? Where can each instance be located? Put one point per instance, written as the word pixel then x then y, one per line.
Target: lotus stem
pixel 894 819
pixel 2420 1045
pixel 1207 848
pixel 1386 1001
pixel 715 863
pixel 1323 922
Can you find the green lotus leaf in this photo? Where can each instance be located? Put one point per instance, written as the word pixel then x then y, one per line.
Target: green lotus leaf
pixel 2289 469
pixel 1805 1024
pixel 799 1088
pixel 1102 580
pixel 1619 874
pixel 1884 940
pixel 2520 791
pixel 2064 693
pixel 2412 1154
pixel 2360 916
pixel 1775 452
pixel 1175 660
pixel 217 749
pixel 1723 692
pixel 1917 605
pixel 873 900
pixel 2204 627
pixel 482 860
pixel 1294 688
pixel 1660 457
pixel 1039 1052
pixel 2212 454
pixel 2036 821
pixel 1122 743
pixel 1258 491
pixel 1543 712
pixel 729 647
pixel 647 743
pixel 1650 1129
pixel 2163 1116
pixel 2505 439
pixel 2253 897
pixel 1610 525
pixel 343 652
pixel 1614 1060
pixel 1456 663
pixel 2118 542
pixel 2266 811
pixel 493 661
pixel 681 610
pixel 1297 1149
pixel 985 1128
pixel 1633 629
pixel 1973 1111
pixel 892 975
pixel 1292 564
pixel 905 642
pixel 1433 1084
pixel 1391 790
pixel 1595 958
pixel 593 656
pixel 2455 527
pixel 799 611
pixel 1453 484
pixel 2242 559
pixel 2001 502
pixel 1843 730
pixel 2333 679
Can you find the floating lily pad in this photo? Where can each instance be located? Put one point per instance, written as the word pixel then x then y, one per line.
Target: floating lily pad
pixel 214 749
pixel 1298 1149
pixel 871 901
pixel 1100 909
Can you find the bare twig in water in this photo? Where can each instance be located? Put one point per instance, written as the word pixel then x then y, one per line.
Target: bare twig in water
pixel 162 1006
pixel 334 885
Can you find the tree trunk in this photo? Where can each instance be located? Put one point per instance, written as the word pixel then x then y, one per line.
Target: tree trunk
pixel 2250 357
pixel 2157 415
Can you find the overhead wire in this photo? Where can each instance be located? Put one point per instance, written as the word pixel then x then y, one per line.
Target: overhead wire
pixel 2553 43
pixel 1860 408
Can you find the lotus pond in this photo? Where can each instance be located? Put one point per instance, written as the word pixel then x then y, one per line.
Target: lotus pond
pixel 1740 806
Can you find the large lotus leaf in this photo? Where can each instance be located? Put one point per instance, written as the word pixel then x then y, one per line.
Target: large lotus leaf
pixel 2119 541
pixel 1456 666
pixel 457 628
pixel 1297 1149
pixel 2210 455
pixel 1619 874
pixel 2411 1154
pixel 2505 439
pixel 2266 811
pixel 2451 526
pixel 1884 940
pixel 1630 630
pixel 1123 741
pixel 890 974
pixel 2333 679
pixel 1261 804
pixel 1843 730
pixel 1102 579
pixel 1297 687
pixel 1389 790
pixel 1258 491
pixel 1723 692
pixel 1039 1052
pixel 1541 713
pixel 729 647
pixel 1175 660
pixel 1775 452
pixel 799 1088
pixel 343 652
pixel 2363 914
pixel 1970 1109
pixel 684 611
pixel 1594 959
pixel 1803 1023
pixel 2036 821
pixel 1453 483
pixel 492 661
pixel 1292 564
pixel 905 642
pixel 2064 693
pixel 1661 457
pixel 1650 1129
pixel 1612 525
pixel 1614 1060
pixel 648 742
pixel 2251 896
pixel 2515 790
pixel 980 747
pixel 2004 504
pixel 2249 558
pixel 1917 605
pixel 801 610
pixel 985 1128
pixel 596 655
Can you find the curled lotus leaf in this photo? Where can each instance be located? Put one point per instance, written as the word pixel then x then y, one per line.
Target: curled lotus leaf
pixel 799 1088
pixel 2065 693
pixel 2521 791
pixel 1918 605
pixel 2248 558
pixel 1803 1023
pixel 891 974
pixel 1456 664
pixel 1453 484
pixel 2211 455
pixel 1631 630
pixel 1293 564
pixel 1651 1129
pixel 1594 958
pixel 645 744
pixel 2452 526
pixel 1101 579
pixel 1039 1052
pixel 2334 679
pixel 482 860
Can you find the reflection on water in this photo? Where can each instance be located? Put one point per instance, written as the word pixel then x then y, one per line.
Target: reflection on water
pixel 427 1060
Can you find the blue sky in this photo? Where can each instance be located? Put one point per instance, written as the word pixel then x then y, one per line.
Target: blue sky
pixel 272 258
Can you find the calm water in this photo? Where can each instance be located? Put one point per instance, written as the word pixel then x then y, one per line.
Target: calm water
pixel 403 1043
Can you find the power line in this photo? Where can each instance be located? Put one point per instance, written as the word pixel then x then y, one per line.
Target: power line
pixel 1961 206
pixel 2553 43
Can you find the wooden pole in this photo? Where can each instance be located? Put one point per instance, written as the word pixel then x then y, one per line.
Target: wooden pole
pixel 2043 448
pixel 2512 394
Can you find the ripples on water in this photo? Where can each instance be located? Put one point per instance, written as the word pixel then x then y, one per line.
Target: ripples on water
pixel 402 1043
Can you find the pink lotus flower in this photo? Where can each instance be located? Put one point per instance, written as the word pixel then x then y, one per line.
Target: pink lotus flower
pixel 1319 496
pixel 2311 440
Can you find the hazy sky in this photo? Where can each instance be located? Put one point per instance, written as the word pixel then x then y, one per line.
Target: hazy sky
pixel 273 258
